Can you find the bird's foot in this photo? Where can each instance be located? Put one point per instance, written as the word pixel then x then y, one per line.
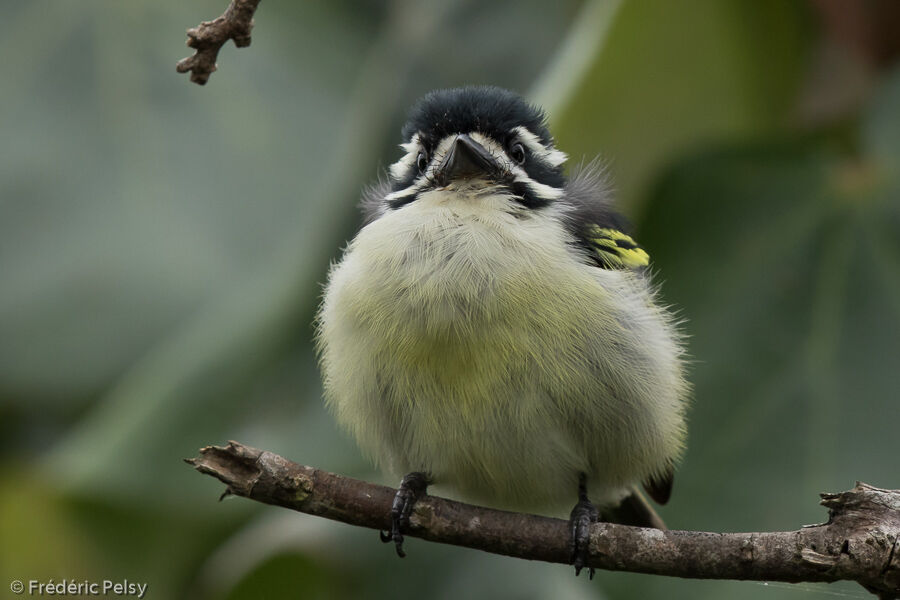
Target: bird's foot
pixel 580 520
pixel 412 487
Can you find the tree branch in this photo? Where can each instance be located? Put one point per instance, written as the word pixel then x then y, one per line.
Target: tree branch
pixel 208 37
pixel 860 542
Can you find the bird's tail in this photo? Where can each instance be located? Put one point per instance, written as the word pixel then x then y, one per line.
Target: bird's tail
pixel 634 510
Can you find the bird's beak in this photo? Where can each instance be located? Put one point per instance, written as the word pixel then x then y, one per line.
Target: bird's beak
pixel 467 158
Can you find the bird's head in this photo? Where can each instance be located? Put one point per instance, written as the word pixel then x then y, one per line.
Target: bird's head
pixel 477 140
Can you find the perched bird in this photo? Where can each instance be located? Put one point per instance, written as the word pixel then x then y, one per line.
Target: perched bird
pixel 492 327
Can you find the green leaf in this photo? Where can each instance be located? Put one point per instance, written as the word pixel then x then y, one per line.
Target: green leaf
pixel 673 75
pixel 783 259
pixel 784 264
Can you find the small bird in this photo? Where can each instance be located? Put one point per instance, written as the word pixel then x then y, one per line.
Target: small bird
pixel 492 328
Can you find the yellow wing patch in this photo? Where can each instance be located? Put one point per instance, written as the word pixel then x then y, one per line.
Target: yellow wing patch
pixel 617 250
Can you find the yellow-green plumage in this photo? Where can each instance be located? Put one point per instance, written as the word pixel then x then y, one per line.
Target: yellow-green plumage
pixel 616 249
pixel 466 336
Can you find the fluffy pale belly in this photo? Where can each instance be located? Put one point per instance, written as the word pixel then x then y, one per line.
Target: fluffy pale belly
pixel 480 415
pixel 503 380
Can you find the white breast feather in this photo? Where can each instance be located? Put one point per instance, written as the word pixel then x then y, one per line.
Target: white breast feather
pixel 464 336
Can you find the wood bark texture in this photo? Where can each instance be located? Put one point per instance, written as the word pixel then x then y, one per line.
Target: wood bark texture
pixel 859 542
pixel 209 37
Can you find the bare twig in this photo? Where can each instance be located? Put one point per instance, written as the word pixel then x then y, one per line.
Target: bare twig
pixel 208 37
pixel 860 542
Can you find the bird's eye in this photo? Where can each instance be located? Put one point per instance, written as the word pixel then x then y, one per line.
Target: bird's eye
pixel 422 162
pixel 517 152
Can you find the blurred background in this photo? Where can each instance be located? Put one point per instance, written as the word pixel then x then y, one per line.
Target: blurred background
pixel 163 247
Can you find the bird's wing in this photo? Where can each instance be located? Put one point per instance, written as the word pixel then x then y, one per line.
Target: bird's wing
pixel 615 249
pixel 660 486
pixel 593 221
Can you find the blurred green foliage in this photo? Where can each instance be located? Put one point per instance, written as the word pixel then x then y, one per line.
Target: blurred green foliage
pixel 676 75
pixel 162 248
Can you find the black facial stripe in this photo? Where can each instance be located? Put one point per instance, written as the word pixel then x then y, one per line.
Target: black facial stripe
pixel 407 180
pixel 519 190
pixel 403 200
pixel 525 197
pixel 495 113
pixel 543 173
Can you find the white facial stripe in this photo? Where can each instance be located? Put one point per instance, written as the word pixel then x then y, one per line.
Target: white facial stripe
pixel 414 188
pixel 443 148
pixel 550 156
pixel 402 166
pixel 541 190
pixel 413 147
pixel 556 157
pixel 492 146
pixel 413 144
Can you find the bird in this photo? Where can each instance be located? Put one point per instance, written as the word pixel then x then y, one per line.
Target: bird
pixel 493 329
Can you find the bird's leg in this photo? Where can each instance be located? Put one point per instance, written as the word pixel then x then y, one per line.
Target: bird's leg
pixel 412 487
pixel 580 521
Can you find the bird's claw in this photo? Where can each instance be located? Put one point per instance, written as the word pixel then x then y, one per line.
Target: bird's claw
pixel 580 520
pixel 412 487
